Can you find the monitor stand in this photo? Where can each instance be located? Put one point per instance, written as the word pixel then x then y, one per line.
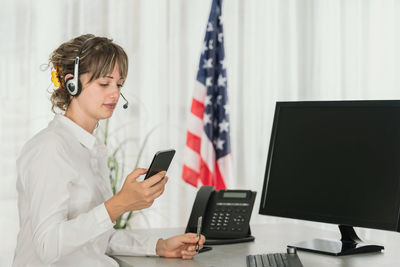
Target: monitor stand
pixel 350 243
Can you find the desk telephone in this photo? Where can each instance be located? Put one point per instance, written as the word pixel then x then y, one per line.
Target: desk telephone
pixel 226 215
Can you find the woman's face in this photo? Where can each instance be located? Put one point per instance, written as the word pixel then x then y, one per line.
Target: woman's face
pixel 99 97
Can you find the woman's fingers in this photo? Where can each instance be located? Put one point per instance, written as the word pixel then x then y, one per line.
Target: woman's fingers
pixel 159 187
pixel 189 253
pixel 202 240
pixel 153 180
pixel 159 191
pixel 137 172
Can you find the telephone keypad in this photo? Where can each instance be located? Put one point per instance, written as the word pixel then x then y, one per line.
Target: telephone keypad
pixel 231 218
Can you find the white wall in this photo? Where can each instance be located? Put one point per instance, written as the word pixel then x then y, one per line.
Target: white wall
pixel 275 50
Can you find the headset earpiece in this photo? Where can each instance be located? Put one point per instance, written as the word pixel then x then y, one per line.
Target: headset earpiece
pixel 73 88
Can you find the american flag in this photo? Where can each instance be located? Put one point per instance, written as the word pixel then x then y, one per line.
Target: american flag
pixel 207 155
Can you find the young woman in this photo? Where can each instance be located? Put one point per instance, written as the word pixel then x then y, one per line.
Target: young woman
pixel 65 203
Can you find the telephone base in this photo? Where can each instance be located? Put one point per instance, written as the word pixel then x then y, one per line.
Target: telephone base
pixel 211 242
pixel 204 249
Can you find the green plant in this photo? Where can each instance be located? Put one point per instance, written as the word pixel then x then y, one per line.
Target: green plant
pixel 117 168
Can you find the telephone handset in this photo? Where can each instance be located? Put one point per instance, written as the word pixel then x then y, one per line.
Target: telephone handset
pixel 226 215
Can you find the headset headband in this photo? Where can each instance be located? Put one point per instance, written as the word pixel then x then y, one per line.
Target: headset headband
pixel 77 59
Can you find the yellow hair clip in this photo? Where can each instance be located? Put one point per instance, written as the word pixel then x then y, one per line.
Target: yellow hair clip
pixel 55 79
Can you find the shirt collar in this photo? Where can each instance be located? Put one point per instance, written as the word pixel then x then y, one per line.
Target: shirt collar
pixel 85 138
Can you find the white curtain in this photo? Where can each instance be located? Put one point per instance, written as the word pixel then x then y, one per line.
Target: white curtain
pixel 275 50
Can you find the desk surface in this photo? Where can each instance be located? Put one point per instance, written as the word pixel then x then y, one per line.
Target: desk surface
pixel 272 238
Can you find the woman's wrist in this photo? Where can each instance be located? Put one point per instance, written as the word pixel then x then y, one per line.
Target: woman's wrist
pixel 115 207
pixel 160 247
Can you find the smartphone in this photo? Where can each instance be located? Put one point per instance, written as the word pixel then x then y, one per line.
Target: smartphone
pixel 161 161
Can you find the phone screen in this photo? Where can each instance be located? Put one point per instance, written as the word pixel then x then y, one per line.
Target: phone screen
pixel 161 161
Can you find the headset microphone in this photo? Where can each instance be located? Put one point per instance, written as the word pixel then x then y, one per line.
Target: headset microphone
pixel 125 106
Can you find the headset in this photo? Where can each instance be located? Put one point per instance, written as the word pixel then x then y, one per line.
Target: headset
pixel 73 84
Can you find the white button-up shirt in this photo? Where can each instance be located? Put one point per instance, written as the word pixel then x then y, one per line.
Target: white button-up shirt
pixel 62 186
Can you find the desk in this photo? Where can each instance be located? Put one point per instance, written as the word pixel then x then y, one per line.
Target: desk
pixel 273 237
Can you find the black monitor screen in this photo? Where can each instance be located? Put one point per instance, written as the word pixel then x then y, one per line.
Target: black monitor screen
pixel 336 162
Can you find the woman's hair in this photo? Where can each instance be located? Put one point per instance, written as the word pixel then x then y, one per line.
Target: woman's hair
pixel 98 57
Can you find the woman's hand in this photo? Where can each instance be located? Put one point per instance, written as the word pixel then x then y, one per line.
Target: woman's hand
pixel 136 195
pixel 180 246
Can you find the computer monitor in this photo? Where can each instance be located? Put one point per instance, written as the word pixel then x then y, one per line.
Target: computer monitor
pixel 336 162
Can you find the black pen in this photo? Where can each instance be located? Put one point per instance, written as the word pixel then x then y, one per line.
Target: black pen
pixel 199 221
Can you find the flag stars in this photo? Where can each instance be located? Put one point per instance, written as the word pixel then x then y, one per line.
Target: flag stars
pixel 207 63
pixel 209 81
pixel 222 62
pixel 207 118
pixel 227 110
pixel 219 98
pixel 221 20
pixel 224 126
pixel 210 27
pixel 221 81
pixel 220 144
pixel 207 100
pixel 210 44
pixel 220 37
pixel 204 48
